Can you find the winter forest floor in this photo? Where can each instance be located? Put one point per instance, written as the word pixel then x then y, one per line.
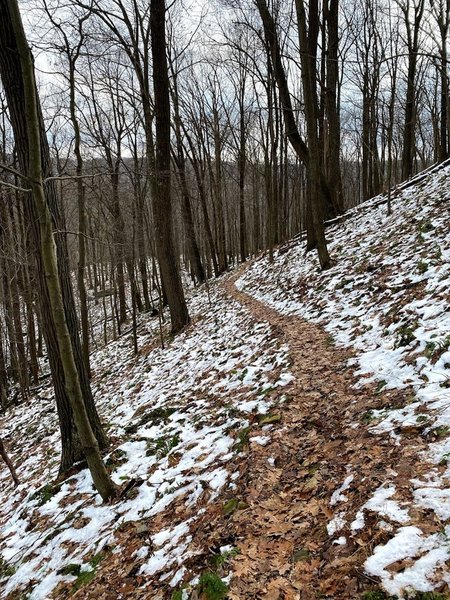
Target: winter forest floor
pixel 292 443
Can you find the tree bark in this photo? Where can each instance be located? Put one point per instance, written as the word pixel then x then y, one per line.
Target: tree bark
pixel 17 71
pixel 162 208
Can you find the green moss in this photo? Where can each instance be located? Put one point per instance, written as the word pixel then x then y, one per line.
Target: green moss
pixel 83 578
pixel 269 419
pixel 301 554
pixel 6 569
pixel 230 506
pixel 330 341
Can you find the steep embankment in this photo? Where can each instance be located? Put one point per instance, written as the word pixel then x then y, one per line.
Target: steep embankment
pixel 179 418
pixel 387 299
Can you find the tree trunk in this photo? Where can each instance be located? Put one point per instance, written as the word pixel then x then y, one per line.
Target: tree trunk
pixel 162 208
pixel 16 66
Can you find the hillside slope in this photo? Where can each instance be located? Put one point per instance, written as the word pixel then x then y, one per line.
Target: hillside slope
pixel 291 443
pixel 387 298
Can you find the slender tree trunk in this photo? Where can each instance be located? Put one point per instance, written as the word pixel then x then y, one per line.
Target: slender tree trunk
pixel 180 161
pixel 8 462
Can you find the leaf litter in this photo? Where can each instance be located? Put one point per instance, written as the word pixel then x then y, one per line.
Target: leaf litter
pixel 301 423
pixel 175 415
pixel 371 395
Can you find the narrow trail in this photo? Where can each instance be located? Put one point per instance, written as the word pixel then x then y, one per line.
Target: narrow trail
pixel 286 551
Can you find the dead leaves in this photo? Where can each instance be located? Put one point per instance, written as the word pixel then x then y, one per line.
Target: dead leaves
pixel 286 551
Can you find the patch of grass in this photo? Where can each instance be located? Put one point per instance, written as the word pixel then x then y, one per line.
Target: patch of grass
pixel 343 283
pixel 219 560
pixel 422 419
pixel 85 577
pixel 45 493
pixel 441 431
pixel 116 458
pixel 211 586
pixel 241 377
pixel 242 440
pixel 330 341
pixel 430 348
pixel 426 226
pixel 422 267
pixel 367 417
pixel 445 459
pixel 96 559
pixel 376 595
pixel 6 570
pixel 380 385
pixel 427 596
pixel 437 251
pixel 266 391
pixel 162 445
pixel 405 334
pixel 71 569
pixel 434 350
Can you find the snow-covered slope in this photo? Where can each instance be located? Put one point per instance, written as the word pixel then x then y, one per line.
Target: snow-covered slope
pixel 387 297
pixel 179 416
pixel 182 413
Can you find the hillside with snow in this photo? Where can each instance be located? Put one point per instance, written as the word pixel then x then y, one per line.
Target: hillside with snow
pixel 293 442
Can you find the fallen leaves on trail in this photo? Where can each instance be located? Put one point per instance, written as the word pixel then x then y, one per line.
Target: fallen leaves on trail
pixel 286 550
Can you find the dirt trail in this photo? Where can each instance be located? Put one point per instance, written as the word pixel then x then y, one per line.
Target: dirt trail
pixel 286 551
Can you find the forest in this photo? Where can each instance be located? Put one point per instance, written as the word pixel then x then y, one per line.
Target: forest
pixel 224 306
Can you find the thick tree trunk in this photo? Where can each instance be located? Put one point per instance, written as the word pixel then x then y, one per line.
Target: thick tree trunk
pixel 333 163
pixel 307 57
pixel 324 205
pixel 162 208
pixel 12 71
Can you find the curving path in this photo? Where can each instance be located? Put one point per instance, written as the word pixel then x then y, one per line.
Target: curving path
pixel 286 550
